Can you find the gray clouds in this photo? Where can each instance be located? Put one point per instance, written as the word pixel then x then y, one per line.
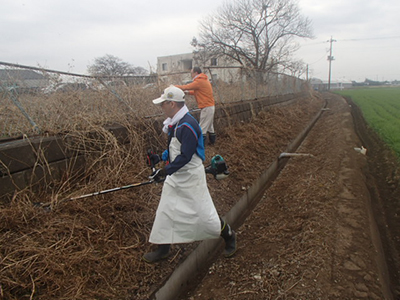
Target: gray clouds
pixel 68 35
pixel 61 34
pixel 367 35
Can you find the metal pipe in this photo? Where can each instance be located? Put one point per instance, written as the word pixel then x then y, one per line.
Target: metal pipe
pixel 12 94
pixel 286 154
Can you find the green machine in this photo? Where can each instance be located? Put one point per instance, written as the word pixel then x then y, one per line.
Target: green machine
pixel 218 167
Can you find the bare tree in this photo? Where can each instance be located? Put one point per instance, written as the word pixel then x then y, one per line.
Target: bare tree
pixel 110 65
pixel 257 34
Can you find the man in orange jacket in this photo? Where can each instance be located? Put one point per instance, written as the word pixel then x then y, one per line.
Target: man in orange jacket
pixel 202 90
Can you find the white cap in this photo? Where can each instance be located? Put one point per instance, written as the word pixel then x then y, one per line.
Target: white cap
pixel 171 93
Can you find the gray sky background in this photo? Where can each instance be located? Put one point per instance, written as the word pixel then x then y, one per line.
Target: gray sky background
pixel 69 35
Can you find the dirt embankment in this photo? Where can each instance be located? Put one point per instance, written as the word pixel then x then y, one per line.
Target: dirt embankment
pixel 314 234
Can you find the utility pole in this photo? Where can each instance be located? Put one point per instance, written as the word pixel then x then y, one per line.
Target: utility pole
pixel 330 58
pixel 307 74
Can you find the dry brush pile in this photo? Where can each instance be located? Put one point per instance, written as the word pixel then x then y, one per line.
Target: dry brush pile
pixel 91 248
pixel 78 104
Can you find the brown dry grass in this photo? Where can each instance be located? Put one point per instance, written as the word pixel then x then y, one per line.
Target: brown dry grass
pixel 81 249
pixel 75 109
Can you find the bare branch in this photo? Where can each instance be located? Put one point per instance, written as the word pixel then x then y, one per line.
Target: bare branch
pixel 255 33
pixel 109 65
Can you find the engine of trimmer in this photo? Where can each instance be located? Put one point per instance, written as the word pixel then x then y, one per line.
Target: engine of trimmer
pixel 218 168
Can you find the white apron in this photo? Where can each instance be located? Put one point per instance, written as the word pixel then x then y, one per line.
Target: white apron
pixel 186 212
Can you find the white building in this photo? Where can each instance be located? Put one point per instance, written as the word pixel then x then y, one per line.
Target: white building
pixel 320 85
pixel 179 65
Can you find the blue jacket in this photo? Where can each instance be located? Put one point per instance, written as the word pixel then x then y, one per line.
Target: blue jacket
pixel 189 134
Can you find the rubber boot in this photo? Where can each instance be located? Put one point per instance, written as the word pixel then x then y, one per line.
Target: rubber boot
pixel 212 137
pixel 230 239
pixel 160 253
pixel 204 139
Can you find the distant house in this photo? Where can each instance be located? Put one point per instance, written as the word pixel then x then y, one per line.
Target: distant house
pixel 340 85
pixel 319 85
pixel 22 80
pixel 174 63
pixel 181 64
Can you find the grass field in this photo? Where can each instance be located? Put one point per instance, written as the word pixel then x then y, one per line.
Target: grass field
pixel 381 110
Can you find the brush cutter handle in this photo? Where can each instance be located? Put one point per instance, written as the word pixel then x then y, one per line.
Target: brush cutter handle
pixel 158 175
pixel 152 159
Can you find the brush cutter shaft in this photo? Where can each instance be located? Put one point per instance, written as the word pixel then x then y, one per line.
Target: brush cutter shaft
pixel 98 193
pixel 112 190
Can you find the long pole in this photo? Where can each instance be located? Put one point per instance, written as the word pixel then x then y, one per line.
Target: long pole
pixel 307 74
pixel 330 58
pixel 49 204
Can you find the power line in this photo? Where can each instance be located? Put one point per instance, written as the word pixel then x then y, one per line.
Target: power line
pixel 374 38
pixel 353 40
pixel 317 43
pixel 319 59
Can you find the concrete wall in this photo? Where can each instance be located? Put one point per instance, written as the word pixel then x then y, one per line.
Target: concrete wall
pixel 40 161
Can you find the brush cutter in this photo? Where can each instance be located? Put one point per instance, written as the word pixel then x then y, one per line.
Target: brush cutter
pixel 48 204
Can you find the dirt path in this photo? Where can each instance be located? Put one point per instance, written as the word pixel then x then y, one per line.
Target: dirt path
pixel 312 236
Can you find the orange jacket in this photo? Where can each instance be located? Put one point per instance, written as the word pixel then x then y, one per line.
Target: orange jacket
pixel 201 89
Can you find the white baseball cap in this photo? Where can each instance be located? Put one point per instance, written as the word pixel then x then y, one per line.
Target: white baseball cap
pixel 171 93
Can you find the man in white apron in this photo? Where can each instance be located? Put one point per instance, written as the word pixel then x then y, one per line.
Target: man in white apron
pixel 186 212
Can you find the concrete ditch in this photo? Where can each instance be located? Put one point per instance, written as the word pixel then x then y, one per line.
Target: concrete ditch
pixel 188 273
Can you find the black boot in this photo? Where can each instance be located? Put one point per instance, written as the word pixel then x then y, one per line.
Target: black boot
pixel 230 239
pixel 204 139
pixel 212 137
pixel 161 253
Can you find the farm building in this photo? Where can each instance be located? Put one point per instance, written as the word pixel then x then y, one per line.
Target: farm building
pixel 320 85
pixel 181 64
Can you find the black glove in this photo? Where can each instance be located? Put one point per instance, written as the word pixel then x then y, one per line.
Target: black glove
pixel 158 175
pixel 152 158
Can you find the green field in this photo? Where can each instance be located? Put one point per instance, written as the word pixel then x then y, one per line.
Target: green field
pixel 381 110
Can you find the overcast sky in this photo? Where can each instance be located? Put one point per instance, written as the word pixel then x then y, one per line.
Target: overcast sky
pixel 68 35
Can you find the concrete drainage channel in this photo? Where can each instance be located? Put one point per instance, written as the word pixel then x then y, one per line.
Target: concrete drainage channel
pixel 187 273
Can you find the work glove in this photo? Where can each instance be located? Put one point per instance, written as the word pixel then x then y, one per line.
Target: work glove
pixel 165 155
pixel 152 158
pixel 158 175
